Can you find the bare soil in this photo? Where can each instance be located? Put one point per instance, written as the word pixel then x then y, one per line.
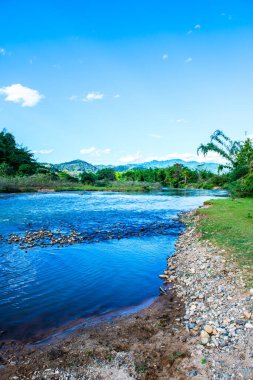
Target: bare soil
pixel 151 344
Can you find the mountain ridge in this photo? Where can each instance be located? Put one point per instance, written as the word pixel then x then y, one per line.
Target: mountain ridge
pixel 78 166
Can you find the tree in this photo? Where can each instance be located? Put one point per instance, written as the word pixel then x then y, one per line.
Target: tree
pixel 19 158
pixel 64 176
pixel 107 174
pixel 88 178
pixel 224 146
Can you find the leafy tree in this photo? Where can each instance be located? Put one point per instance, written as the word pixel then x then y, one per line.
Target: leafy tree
pixel 107 174
pixel 5 169
pixel 224 146
pixel 64 176
pixel 19 159
pixel 88 178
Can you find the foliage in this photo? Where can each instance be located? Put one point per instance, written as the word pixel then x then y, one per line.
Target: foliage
pixel 19 159
pixel 88 178
pixel 239 162
pixel 243 187
pixel 107 174
pixel 224 146
pixel 66 177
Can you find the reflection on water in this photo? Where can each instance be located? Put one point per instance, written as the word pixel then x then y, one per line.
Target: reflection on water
pixel 47 287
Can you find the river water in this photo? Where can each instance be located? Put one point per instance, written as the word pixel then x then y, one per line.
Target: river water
pixel 117 269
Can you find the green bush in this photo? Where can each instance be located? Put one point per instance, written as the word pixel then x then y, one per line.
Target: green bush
pixel 242 187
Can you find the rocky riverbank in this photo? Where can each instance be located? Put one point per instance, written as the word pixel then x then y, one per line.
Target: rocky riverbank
pixel 218 306
pixel 202 328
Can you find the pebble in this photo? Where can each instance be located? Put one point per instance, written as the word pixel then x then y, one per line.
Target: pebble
pixel 217 305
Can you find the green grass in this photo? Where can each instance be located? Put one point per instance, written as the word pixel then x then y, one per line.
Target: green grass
pixel 229 224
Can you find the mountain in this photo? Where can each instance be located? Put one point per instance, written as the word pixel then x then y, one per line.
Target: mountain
pixel 73 167
pixel 212 167
pixel 78 166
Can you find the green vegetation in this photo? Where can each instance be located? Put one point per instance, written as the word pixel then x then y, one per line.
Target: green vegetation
pixel 19 171
pixel 229 224
pixel 238 156
pixel 15 159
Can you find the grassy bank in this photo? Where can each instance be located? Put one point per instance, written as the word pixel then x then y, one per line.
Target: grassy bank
pixel 229 224
pixel 39 183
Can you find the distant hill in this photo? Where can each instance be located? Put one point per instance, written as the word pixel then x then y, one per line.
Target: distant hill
pixel 212 167
pixel 78 166
pixel 73 167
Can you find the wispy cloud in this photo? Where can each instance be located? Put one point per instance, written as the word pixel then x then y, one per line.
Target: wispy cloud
pixel 72 98
pixel 93 96
pixel 189 32
pixel 197 26
pixel 116 96
pixel 2 51
pixel 165 56
pixel 227 16
pixel 130 158
pixel 154 135
pixel 94 152
pixel 181 121
pixel 17 93
pixel 188 60
pixel 43 151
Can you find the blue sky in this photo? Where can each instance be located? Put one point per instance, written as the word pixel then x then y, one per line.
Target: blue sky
pixel 125 81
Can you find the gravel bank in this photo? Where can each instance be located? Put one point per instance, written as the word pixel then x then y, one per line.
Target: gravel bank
pixel 218 307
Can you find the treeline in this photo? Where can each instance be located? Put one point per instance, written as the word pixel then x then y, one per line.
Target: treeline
pixel 176 176
pixel 236 174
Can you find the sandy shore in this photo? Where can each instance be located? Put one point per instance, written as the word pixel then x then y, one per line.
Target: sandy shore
pixel 201 329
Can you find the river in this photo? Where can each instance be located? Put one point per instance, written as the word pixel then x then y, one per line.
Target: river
pixel 114 270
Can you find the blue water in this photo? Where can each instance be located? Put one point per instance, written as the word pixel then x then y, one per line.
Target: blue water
pixel 45 288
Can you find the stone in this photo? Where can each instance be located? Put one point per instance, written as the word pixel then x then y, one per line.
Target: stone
pixel 208 329
pixel 247 314
pixel 204 334
pixel 163 277
pixel 193 373
pixel 204 340
pixel 249 325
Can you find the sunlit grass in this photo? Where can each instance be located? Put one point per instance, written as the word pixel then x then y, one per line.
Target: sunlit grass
pixel 229 224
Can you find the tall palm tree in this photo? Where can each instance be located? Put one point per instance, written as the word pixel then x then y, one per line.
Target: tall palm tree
pixel 224 146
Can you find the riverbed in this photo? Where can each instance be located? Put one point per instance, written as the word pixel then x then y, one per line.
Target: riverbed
pixel 114 271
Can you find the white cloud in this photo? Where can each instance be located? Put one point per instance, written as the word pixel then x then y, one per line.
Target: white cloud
pixel 93 96
pixel 94 152
pixel 72 98
pixel 181 121
pixel 189 32
pixel 116 96
pixel 130 158
pixel 197 26
pixel 43 151
pixel 2 51
pixel 165 56
pixel 188 60
pixel 228 16
pixel 154 136
pixel 211 157
pixel 17 93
